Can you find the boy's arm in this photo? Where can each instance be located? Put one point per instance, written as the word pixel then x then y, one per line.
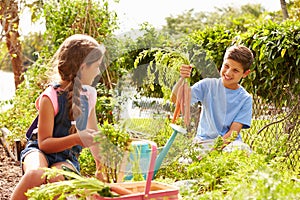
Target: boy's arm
pixel 235 126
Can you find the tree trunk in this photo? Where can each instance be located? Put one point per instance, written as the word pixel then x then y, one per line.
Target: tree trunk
pixel 284 9
pixel 10 24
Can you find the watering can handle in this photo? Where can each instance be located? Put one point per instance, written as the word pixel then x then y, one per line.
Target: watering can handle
pixel 151 167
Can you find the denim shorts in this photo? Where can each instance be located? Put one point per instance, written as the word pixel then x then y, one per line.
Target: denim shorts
pixel 64 156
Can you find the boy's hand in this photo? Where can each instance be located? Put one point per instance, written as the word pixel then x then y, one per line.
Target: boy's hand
pixel 185 71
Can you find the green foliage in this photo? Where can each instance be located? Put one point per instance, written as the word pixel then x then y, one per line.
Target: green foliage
pixel 238 19
pixel 87 163
pixel 294 10
pixel 116 135
pixel 113 144
pixel 163 69
pixel 234 175
pixel 78 186
pixel 266 183
pixel 125 49
pixel 32 46
pixel 276 67
pixel 65 18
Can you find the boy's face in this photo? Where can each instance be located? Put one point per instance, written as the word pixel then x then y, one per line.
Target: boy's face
pixel 231 73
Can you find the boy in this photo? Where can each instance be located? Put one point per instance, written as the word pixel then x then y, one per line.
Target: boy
pixel 226 105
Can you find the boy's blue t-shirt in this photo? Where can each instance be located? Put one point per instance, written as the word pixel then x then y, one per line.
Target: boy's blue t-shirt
pixel 220 107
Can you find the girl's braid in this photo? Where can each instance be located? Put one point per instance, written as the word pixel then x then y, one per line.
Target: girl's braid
pixel 74 101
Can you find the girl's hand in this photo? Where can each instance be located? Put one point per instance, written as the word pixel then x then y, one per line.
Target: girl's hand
pixel 185 71
pixel 87 137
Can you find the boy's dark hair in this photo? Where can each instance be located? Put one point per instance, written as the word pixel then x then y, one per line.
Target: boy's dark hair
pixel 240 54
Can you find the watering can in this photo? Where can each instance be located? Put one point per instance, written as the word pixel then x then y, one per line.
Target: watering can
pixel 141 155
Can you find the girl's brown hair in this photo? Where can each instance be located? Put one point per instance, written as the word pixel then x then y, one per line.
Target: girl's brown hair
pixel 73 52
pixel 240 54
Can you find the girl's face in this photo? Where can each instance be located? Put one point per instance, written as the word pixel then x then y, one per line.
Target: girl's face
pixel 231 73
pixel 88 73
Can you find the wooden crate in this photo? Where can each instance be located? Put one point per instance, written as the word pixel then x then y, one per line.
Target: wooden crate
pixel 158 191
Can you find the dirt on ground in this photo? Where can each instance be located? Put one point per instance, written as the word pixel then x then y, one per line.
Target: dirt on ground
pixel 10 174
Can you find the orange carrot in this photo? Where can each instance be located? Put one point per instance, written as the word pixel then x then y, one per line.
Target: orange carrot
pixel 120 190
pixel 178 104
pixel 182 99
pixel 176 112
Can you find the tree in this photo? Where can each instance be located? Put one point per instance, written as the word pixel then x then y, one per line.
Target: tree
pixel 9 19
pixel 239 18
pixel 284 9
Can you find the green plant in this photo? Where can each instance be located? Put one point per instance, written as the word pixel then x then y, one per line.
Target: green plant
pixel 87 162
pixel 266 183
pixel 276 47
pixel 113 145
pixel 163 69
pixel 77 186
pixel 65 18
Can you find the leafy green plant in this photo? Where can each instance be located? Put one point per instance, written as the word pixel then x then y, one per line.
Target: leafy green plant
pixel 77 186
pixel 266 183
pixel 65 18
pixel 87 163
pixel 163 69
pixel 113 144
pixel 276 47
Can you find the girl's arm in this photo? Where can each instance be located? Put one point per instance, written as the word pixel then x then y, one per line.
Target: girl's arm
pixel 92 121
pixel 47 143
pixel 95 150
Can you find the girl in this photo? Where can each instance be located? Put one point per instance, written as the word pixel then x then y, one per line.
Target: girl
pixel 67 119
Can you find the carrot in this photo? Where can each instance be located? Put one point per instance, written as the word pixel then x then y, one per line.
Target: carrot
pixel 182 99
pixel 178 104
pixel 120 190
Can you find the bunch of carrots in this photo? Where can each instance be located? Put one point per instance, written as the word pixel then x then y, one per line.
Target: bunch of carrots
pixel 182 105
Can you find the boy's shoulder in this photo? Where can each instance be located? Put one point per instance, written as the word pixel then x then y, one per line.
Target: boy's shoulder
pixel 245 92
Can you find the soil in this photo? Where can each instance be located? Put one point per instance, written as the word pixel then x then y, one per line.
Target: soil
pixel 10 174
